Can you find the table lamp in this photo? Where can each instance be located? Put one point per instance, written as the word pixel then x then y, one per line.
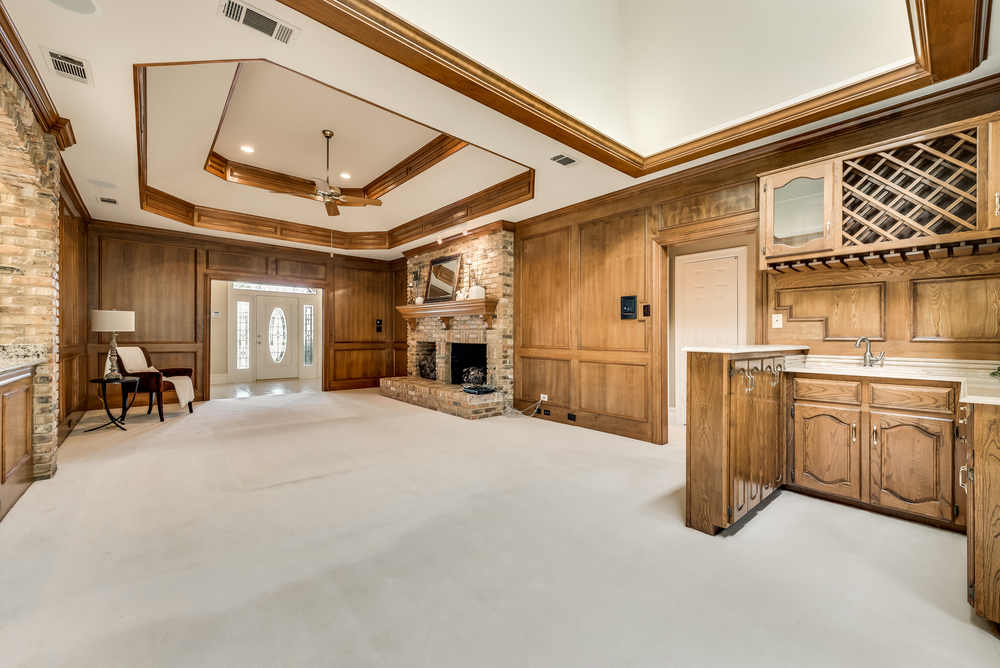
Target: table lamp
pixel 114 322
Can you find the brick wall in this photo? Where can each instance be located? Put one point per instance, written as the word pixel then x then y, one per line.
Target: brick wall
pixel 29 233
pixel 491 257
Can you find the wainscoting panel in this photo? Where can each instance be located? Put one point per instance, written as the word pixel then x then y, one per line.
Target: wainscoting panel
pixel 360 298
pixel 358 364
pixel 290 269
pixel 614 389
pixel 543 290
pixel 545 376
pixel 612 265
pixel 238 263
pixel 728 201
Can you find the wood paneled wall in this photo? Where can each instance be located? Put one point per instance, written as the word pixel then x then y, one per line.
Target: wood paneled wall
pixel 570 340
pixel 398 268
pixel 73 380
pixel 573 264
pixel 165 277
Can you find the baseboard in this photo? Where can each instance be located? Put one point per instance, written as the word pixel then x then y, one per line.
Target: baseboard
pixel 219 379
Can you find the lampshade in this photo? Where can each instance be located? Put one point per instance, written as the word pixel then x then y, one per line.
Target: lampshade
pixel 112 321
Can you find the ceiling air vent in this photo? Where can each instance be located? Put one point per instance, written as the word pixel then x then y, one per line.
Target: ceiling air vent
pixel 260 21
pixel 107 200
pixel 68 67
pixel 565 160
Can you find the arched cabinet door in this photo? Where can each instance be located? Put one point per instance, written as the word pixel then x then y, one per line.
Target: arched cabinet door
pixel 828 449
pixel 912 460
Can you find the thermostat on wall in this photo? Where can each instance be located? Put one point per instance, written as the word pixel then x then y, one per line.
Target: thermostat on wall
pixel 216 314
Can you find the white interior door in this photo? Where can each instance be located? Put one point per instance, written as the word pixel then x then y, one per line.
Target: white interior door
pixel 277 337
pixel 710 309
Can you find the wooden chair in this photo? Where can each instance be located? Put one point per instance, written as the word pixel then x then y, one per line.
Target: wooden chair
pixel 154 382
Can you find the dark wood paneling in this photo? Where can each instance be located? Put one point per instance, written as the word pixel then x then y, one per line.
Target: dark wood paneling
pixel 398 299
pixel 711 205
pixel 73 317
pixel 238 263
pixel 366 364
pixel 297 269
pixel 545 376
pixel 707 457
pixel 157 281
pixel 984 541
pixel 841 313
pixel 957 309
pixel 16 471
pixel 612 265
pixel 361 298
pixel 543 294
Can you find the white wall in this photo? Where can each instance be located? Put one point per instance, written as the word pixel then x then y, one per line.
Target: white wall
pixel 224 299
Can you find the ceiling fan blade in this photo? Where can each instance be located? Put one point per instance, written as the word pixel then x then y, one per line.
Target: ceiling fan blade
pixel 361 201
pixel 331 209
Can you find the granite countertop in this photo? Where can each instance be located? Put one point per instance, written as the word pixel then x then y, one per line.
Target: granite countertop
pixel 977 386
pixel 22 355
pixel 737 350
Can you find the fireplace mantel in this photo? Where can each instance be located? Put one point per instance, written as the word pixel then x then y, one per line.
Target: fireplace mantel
pixel 445 311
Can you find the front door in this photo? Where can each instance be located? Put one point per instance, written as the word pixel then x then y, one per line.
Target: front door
pixel 277 337
pixel 707 293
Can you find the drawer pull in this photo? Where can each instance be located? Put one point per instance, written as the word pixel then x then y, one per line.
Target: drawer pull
pixel 961 484
pixel 777 375
pixel 854 431
pixel 874 434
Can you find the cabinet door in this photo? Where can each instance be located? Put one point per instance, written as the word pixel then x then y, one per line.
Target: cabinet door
pixel 911 464
pixel 771 426
pixel 992 216
pixel 827 450
pixel 800 211
pixel 744 495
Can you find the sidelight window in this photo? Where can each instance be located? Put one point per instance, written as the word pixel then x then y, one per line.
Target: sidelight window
pixel 242 335
pixel 307 335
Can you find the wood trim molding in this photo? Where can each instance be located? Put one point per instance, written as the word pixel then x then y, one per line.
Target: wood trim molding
pixel 513 191
pixel 420 161
pixel 949 39
pixel 489 228
pixel 985 88
pixel 14 55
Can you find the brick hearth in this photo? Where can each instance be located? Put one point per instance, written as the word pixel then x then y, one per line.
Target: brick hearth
pixel 440 396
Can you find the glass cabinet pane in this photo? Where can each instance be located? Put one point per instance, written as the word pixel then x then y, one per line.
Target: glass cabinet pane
pixel 799 212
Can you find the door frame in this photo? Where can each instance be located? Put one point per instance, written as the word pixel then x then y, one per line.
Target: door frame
pixel 677 416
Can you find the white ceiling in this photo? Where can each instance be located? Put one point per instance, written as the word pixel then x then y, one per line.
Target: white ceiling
pixel 654 73
pixel 571 51
pixel 281 114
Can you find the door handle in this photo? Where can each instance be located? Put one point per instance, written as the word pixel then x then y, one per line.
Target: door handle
pixel 965 470
pixel 874 434
pixel 752 382
pixel 854 431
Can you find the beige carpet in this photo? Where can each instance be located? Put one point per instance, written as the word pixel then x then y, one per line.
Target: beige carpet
pixel 345 529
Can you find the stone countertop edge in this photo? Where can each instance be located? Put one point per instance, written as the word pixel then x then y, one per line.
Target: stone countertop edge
pixel 737 350
pixel 19 366
pixel 977 386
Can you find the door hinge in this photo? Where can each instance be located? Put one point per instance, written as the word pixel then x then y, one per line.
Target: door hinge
pixel 972 592
pixel 729 512
pixel 956 510
pixel 730 372
pixel 793 411
pixel 793 475
pixel 956 431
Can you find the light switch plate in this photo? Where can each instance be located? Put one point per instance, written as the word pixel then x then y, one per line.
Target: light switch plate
pixel 776 321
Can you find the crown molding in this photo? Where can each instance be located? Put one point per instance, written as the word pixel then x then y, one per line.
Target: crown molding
pixel 14 55
pixel 949 38
pixel 412 165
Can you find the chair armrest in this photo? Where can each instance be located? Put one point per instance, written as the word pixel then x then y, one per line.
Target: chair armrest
pixel 149 381
pixel 177 372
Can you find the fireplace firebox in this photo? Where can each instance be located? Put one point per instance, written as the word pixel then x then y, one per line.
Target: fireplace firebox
pixel 465 356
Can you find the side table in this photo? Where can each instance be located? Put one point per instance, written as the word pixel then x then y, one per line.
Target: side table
pixel 129 384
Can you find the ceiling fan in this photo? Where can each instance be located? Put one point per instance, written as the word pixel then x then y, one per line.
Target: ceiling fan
pixel 331 195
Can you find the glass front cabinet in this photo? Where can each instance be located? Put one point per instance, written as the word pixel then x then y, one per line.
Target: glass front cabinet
pixel 800 210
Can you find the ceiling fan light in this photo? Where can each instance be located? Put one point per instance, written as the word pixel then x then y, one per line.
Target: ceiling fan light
pixel 246 149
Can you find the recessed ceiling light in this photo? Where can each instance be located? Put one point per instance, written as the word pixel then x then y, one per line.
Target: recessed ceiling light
pixel 246 149
pixel 79 6
pixel 102 184
pixel 345 175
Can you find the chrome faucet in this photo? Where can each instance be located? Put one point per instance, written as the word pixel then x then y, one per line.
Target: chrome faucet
pixel 869 358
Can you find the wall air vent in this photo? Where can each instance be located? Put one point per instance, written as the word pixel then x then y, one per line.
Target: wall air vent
pixel 68 67
pixel 260 21
pixel 565 160
pixel 107 200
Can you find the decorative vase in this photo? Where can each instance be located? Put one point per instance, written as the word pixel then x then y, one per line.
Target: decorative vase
pixel 477 292
pixel 418 301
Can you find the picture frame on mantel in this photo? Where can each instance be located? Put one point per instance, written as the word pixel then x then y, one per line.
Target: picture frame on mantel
pixel 442 279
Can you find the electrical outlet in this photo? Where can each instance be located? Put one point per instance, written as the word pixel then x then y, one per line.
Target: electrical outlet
pixel 571 416
pixel 776 321
pixel 545 397
pixel 547 412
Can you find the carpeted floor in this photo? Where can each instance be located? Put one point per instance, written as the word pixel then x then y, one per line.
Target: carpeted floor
pixel 344 529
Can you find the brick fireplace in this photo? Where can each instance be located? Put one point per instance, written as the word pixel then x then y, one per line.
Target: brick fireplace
pixel 491 256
